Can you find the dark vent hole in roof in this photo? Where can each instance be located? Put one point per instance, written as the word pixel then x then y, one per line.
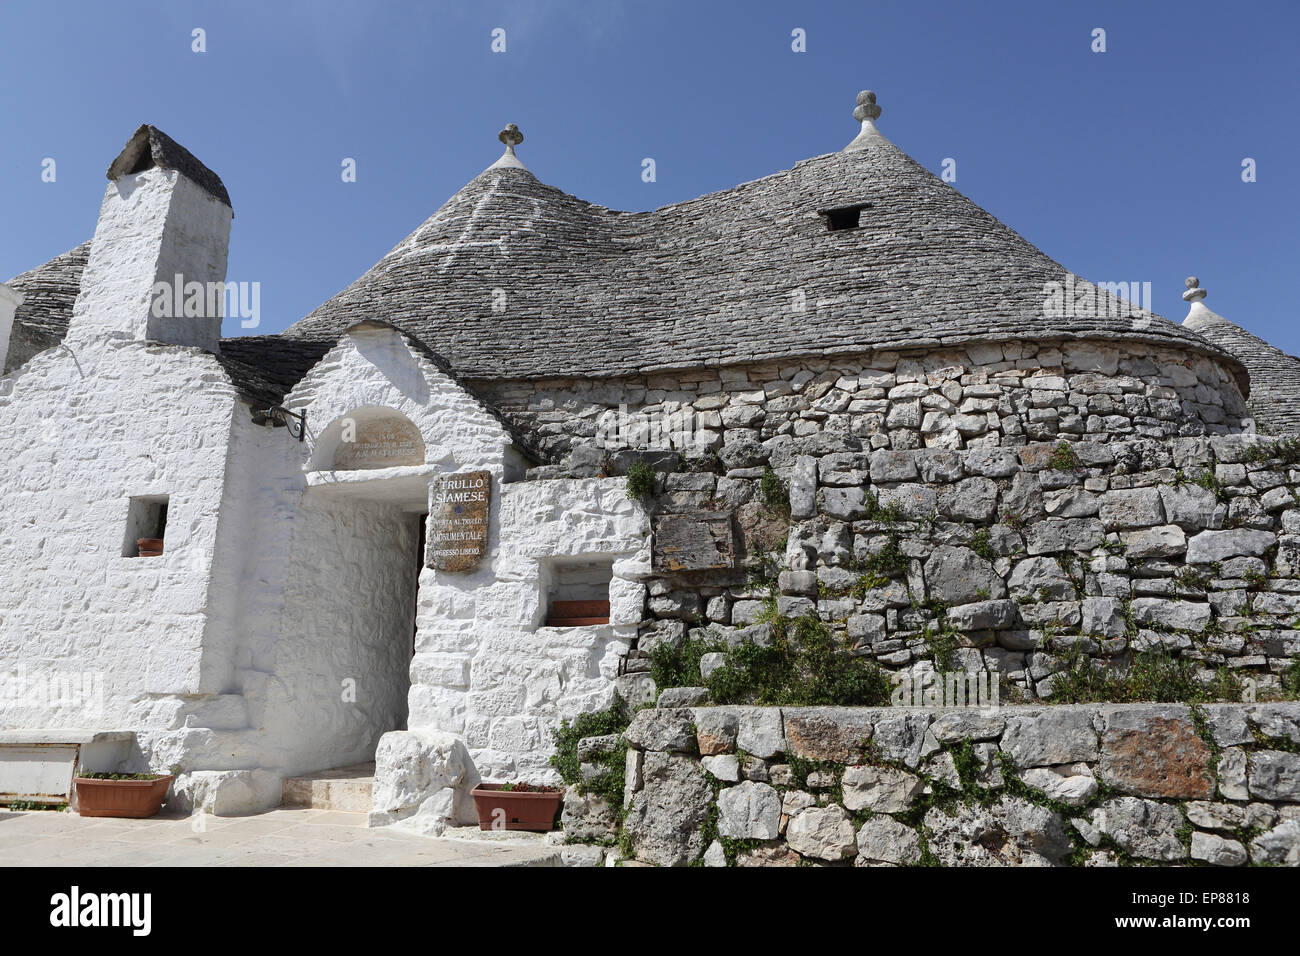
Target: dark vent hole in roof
pixel 844 217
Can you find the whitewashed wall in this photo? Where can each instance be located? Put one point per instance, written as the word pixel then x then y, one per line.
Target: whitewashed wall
pixel 82 430
pixel 485 668
pixel 281 581
pixel 347 546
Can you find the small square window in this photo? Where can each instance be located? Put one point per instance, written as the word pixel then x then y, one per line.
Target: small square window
pixel 843 217
pixel 577 591
pixel 146 527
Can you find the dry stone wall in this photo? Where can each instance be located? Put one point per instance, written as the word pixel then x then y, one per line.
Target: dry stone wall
pixel 1018 559
pixel 1089 785
pixel 989 394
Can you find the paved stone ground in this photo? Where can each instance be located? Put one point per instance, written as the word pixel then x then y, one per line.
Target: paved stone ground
pixel 284 837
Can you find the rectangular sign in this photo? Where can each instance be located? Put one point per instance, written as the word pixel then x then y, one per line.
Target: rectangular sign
pixel 693 542
pixel 458 521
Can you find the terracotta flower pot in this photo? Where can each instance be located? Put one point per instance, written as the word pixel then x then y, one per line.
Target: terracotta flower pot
pixel 121 798
pixel 515 809
pixel 149 547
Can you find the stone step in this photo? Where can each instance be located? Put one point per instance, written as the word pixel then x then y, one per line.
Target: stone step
pixel 341 788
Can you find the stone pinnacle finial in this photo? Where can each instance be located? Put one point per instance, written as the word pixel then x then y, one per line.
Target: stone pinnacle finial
pixel 1194 293
pixel 866 108
pixel 511 136
pixel 866 113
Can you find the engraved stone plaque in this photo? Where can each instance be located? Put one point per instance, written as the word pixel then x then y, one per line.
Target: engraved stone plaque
pixel 693 542
pixel 458 521
pixel 380 443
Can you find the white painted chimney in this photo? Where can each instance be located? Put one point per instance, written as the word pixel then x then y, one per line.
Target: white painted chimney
pixel 10 299
pixel 157 264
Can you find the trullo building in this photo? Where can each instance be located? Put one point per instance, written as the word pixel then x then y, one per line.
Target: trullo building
pixel 403 525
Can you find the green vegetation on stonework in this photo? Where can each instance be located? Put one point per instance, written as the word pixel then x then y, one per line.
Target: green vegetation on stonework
pixel 1064 457
pixel 1255 580
pixel 802 663
pixel 1152 676
pixel 612 720
pixel 885 514
pixel 1205 478
pixel 888 562
pixel 981 542
pixel 942 642
pixel 1290 680
pixel 773 492
pixel 679 665
pixel 641 481
pixel 1285 451
pixel 875 570
pixel 1190 580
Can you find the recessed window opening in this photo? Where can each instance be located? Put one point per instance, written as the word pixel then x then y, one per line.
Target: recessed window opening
pixel 843 217
pixel 577 591
pixel 146 527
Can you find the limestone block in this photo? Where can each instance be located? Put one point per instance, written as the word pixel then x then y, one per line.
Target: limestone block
pixel 880 789
pixel 1216 850
pixel 836 734
pixel 889 466
pixel 1170 614
pixel 1131 508
pixel 1211 546
pixel 662 729
pixel 902 738
pixel 749 811
pixel 1155 752
pixel 1050 737
pixel 422 781
pixel 959 576
pixel 665 817
pixel 1275 775
pixel 823 833
pixel 982 615
pixel 1063 534
pixel 1011 832
pixel 1073 789
pixel 1280 845
pixel 883 839
pixel 1142 828
pixel 226 793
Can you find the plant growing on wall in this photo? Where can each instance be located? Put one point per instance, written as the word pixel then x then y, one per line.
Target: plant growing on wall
pixel 1151 676
pixel 773 492
pixel 802 664
pixel 1064 458
pixel 612 720
pixel 641 482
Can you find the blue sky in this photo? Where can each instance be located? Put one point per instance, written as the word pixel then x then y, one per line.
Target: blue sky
pixel 1123 165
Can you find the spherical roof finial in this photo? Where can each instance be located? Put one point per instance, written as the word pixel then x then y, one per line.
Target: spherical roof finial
pixel 1194 292
pixel 866 108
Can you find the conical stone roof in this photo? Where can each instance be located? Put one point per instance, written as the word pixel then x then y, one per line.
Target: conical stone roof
pixel 1274 375
pixel 48 292
pixel 513 278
